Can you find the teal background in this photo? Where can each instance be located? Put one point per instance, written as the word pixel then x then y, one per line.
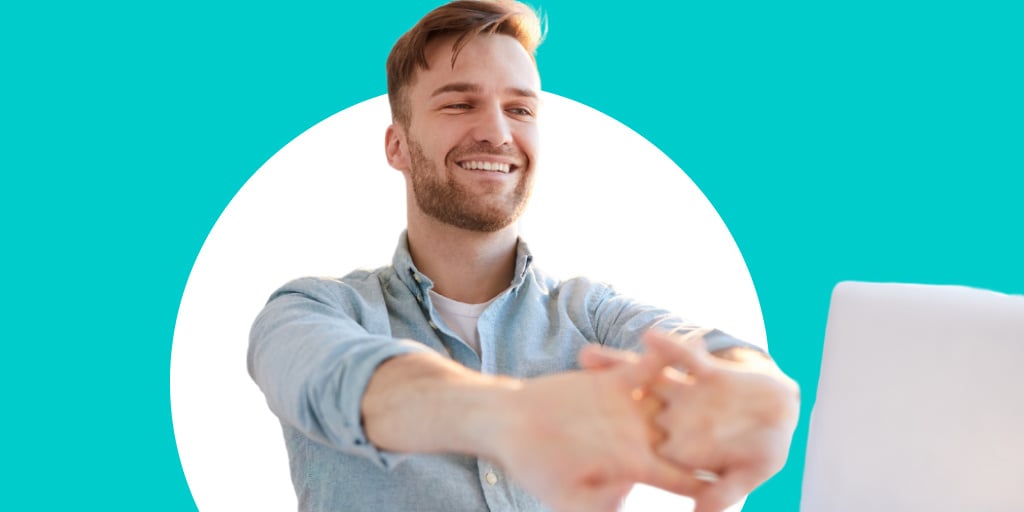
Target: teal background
pixel 842 140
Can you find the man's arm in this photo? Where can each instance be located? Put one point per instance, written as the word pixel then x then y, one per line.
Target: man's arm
pixel 425 403
pixel 577 440
pixel 620 322
pixel 312 360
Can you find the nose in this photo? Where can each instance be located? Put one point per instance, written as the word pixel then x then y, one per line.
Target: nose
pixel 493 126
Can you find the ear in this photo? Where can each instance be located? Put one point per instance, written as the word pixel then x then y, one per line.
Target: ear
pixel 395 147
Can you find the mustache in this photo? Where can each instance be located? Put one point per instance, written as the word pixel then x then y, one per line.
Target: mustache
pixel 486 149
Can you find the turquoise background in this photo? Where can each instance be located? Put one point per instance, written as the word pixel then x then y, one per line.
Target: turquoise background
pixel 840 140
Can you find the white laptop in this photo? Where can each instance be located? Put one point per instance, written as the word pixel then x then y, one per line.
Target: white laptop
pixel 920 402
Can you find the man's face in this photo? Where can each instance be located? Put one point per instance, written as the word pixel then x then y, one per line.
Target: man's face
pixel 469 147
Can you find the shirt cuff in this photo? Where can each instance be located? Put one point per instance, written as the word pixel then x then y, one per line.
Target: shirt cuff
pixel 362 363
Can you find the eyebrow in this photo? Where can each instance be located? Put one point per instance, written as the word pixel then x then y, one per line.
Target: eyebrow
pixel 471 87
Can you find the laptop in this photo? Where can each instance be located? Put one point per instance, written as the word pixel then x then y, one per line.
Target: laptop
pixel 920 402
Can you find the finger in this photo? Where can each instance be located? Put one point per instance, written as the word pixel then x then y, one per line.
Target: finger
pixel 690 355
pixel 683 450
pixel 673 478
pixel 597 357
pixel 649 407
pixel 643 371
pixel 723 494
pixel 670 385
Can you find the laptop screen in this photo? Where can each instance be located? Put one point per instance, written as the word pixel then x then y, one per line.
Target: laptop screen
pixel 920 402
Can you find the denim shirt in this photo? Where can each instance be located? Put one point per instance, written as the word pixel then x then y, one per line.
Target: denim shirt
pixel 317 342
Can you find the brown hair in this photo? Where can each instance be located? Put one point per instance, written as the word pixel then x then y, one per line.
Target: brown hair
pixel 464 19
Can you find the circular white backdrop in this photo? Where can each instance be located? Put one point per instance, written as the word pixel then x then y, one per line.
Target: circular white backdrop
pixel 607 204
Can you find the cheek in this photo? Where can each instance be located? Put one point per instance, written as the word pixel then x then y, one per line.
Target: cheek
pixel 529 142
pixel 438 141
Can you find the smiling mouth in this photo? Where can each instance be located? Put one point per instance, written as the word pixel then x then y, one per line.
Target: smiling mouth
pixel 475 165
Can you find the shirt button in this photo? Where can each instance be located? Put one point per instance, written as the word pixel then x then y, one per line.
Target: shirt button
pixel 416 277
pixel 491 477
pixel 432 325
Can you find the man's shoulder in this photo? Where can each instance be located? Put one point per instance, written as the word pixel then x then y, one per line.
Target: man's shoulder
pixel 356 282
pixel 571 286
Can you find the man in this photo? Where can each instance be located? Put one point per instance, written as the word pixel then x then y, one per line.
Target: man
pixel 449 379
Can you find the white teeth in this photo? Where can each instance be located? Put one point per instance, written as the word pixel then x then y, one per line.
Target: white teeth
pixel 486 166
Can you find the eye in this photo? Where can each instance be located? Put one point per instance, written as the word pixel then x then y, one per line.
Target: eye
pixel 457 106
pixel 520 111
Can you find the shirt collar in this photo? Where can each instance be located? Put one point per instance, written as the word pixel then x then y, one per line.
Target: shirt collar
pixel 419 282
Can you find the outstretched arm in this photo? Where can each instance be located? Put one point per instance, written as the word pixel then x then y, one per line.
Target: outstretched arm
pixel 576 440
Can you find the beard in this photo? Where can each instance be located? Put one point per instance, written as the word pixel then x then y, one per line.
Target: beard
pixel 442 197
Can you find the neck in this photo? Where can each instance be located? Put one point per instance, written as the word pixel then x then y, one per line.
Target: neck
pixel 466 266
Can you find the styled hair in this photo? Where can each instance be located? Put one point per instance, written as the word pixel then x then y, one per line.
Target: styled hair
pixel 463 19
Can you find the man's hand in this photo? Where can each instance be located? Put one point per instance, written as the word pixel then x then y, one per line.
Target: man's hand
pixel 580 440
pixel 732 417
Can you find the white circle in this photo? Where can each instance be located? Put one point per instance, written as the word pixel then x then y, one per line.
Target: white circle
pixel 607 204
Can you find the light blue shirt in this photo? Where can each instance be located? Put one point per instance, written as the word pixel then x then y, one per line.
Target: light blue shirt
pixel 315 345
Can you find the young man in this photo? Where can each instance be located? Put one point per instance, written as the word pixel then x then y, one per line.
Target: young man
pixel 449 379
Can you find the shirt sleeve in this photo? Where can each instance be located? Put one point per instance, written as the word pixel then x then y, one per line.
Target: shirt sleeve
pixel 312 359
pixel 619 321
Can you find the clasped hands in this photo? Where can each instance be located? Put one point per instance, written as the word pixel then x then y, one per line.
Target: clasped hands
pixel 677 418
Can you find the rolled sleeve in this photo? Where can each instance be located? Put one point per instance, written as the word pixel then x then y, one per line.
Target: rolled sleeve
pixel 620 321
pixel 312 358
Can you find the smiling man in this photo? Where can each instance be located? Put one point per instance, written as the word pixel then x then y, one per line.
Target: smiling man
pixel 466 135
pixel 449 379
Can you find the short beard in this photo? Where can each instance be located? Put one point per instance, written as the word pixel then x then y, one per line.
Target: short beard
pixel 445 199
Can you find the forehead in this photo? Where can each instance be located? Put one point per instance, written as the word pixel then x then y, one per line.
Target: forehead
pixel 491 63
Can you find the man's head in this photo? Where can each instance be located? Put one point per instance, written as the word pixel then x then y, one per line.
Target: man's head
pixel 464 92
pixel 462 20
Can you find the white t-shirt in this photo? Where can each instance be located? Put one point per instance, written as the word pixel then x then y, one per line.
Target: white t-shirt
pixel 460 317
